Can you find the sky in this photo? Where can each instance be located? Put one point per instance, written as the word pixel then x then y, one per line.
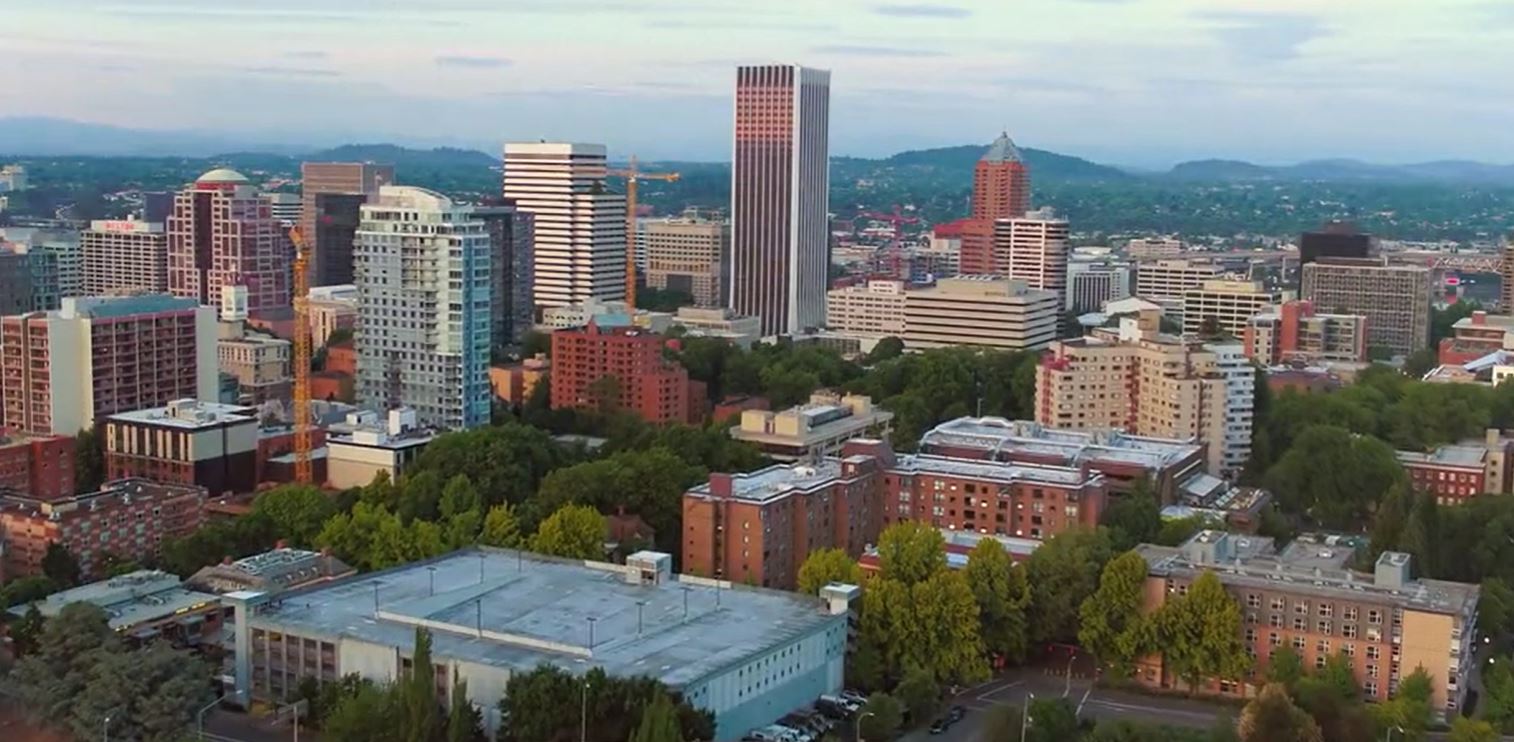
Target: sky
pixel 1134 82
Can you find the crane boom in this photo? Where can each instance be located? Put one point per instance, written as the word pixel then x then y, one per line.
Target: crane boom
pixel 633 175
pixel 302 468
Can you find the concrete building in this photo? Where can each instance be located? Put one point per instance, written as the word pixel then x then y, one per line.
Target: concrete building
pixel 332 308
pixel 270 572
pixel 688 254
pixel 981 311
pixel 747 655
pixel 621 368
pixel 1225 306
pixel 1386 622
pixel 514 383
pixel 1395 299
pixel 223 233
pixel 873 309
pixel 1476 336
pixel 1154 248
pixel 63 244
pixel 815 430
pixel 780 197
pixel 1333 240
pixel 28 279
pixel 39 466
pixel 1142 382
pixel 331 199
pixel 261 363
pixel 366 445
pixel 125 257
pixel 208 444
pixel 1092 284
pixel 1001 190
pixel 1456 473
pixel 143 606
pixel 423 273
pixel 1033 248
pixel 743 332
pixel 99 356
pixel 1173 279
pixel 127 518
pixel 512 303
pixel 13 178
pixel 1506 286
pixel 285 207
pixel 1295 333
pixel 580 226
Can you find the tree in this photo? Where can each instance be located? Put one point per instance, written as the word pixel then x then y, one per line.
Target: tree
pixel 369 714
pixel 297 511
pixel 89 461
pixel 420 716
pixel 505 463
pixel 501 529
pixel 1111 623
pixel 918 693
pixel 931 624
pixel 419 495
pixel 1285 667
pixel 544 705
pixel 824 566
pixel 1177 531
pixel 1062 573
pixel 26 633
pixel 464 721
pixel 910 551
pixel 1498 693
pixel 879 718
pixel 1133 518
pixel 659 722
pixel 574 531
pixel 1003 596
pixel 1199 634
pixel 1333 476
pixel 1272 717
pixel 1410 709
pixel 886 349
pixel 1495 607
pixel 1470 730
pixel 59 565
pixel 649 483
pixel 1051 720
pixel 459 496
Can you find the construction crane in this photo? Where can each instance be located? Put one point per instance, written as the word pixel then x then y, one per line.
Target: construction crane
pixel 302 469
pixel 632 176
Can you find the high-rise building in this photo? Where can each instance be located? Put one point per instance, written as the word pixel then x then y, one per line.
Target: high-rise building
pixel 28 279
pixel 1506 272
pixel 330 195
pixel 1154 248
pixel 1395 299
pixel 873 309
pixel 621 368
pixel 1295 332
pixel 1092 284
pixel 13 178
pixel 424 272
pixel 99 356
pixel 511 238
pixel 1334 240
pixel 1173 279
pixel 1033 248
pixel 1001 190
pixel 157 206
pixel 687 254
pixel 1225 306
pixel 63 244
pixel 780 181
pixel 985 311
pixel 580 226
pixel 284 207
pixel 125 257
pixel 223 233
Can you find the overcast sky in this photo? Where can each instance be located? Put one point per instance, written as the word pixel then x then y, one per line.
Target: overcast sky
pixel 1143 82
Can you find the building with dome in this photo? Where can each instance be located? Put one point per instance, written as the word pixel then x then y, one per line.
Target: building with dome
pixel 222 233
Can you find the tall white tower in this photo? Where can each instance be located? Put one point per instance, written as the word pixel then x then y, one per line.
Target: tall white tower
pixel 580 225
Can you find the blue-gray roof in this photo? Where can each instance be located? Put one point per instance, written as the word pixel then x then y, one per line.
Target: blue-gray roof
pixel 1002 150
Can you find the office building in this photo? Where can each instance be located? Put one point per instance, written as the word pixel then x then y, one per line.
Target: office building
pixel 1173 279
pixel 99 356
pixel 780 186
pixel 28 279
pixel 512 303
pixel 207 444
pixel 125 257
pixel 873 309
pixel 331 197
pixel 812 431
pixel 1506 273
pixel 127 519
pixel 157 206
pixel 580 226
pixel 1092 284
pixel 332 308
pixel 1457 472
pixel 1142 382
pixel 622 368
pixel 688 255
pixel 61 243
pixel 983 311
pixel 260 362
pixel 223 233
pixel 1033 248
pixel 1334 240
pixel 13 178
pixel 1222 307
pixel 1395 299
pixel 1386 622
pixel 368 444
pixel 940 258
pixel 39 466
pixel 143 606
pixel 1476 336
pixel 1154 248
pixel 1001 190
pixel 742 332
pixel 1295 333
pixel 285 207
pixel 424 272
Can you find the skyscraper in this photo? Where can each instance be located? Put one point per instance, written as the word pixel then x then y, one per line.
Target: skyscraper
pixel 1001 190
pixel 1032 247
pixel 511 234
pixel 423 268
pixel 125 256
pixel 780 180
pixel 580 250
pixel 331 251
pixel 222 233
pixel 1395 299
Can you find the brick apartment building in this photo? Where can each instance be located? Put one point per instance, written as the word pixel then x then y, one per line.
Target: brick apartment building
pixel 1458 472
pixel 127 518
pixel 208 444
pixel 1295 332
pixel 645 383
pixel 1474 337
pixel 38 466
pixel 1020 500
pixel 1306 597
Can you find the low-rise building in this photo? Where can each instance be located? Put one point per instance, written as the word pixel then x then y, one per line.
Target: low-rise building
pixel 145 605
pixel 813 430
pixel 740 331
pixel 126 518
pixel 959 547
pixel 514 383
pixel 39 466
pixel 622 368
pixel 1456 473
pixel 357 451
pixel 260 362
pixel 1476 336
pixel 1295 333
pixel 270 572
pixel 208 444
pixel 992 497
pixel 1225 307
pixel 1154 248
pixel 981 311
pixel 332 308
pixel 873 309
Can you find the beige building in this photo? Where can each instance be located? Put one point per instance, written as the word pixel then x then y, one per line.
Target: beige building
pixel 124 257
pixel 332 308
pixel 875 309
pixel 1145 383
pixel 684 254
pixel 718 323
pixel 259 362
pixel 1154 248
pixel 1173 279
pixel 1395 299
pixel 1226 306
pixel 1035 248
pixel 1294 332
pixel 365 445
pixel 815 430
pixel 984 311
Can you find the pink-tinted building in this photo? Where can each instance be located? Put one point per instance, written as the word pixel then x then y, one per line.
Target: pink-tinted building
pixel 1001 190
pixel 222 233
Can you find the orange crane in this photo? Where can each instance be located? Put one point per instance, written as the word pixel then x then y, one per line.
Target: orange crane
pixel 302 469
pixel 633 176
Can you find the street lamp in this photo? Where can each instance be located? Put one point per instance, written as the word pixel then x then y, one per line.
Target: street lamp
pixel 432 573
pixel 1025 714
pixel 1389 738
pixel 105 724
pixel 583 715
pixel 860 717
pixel 1067 689
pixel 200 716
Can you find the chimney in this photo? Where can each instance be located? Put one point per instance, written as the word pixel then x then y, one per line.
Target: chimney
pixel 1479 318
pixel 720 484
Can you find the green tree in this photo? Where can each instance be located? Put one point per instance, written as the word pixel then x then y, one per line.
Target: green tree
pixel 1498 693
pixel 420 715
pixel 1199 634
pixel 369 714
pixel 1052 720
pixel 26 633
pixel 910 551
pixel 464 721
pixel 1410 708
pixel 880 718
pixel 154 692
pixel 89 461
pixel 1334 477
pixel 1111 623
pixel 1062 573
pixel 297 511
pixel 1003 596
pixel 505 463
pixel 1471 730
pixel 931 624
pixel 659 722
pixel 824 566
pixel 1285 667
pixel 59 565
pixel 459 496
pixel 501 529
pixel 1495 607
pixel 419 495
pixel 574 531
pixel 648 483
pixel 1177 531
pixel 1133 518
pixel 1272 717
pixel 918 693
pixel 886 349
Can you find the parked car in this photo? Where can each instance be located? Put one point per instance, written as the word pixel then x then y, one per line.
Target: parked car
pixel 955 713
pixel 854 696
pixel 942 724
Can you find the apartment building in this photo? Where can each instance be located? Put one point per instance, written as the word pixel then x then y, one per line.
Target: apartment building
pixel 621 368
pixel 39 466
pixel 1457 472
pixel 992 497
pixel 259 362
pixel 873 309
pixel 332 308
pixel 1306 597
pixel 1295 332
pixel 63 245
pixel 984 311
pixel 208 444
pixel 1395 299
pixel 126 518
pixel 1033 248
pixel 812 431
pixel 687 254
pixel 98 356
pixel 125 257
pixel 512 241
pixel 1224 306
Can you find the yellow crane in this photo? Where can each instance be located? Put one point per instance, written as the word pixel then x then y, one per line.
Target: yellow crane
pixel 302 469
pixel 633 175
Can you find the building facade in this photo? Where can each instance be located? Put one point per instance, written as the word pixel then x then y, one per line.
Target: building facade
pixel 815 430
pixel 1092 284
pixel 620 368
pixel 1154 248
pixel 1033 248
pixel 982 311
pixel 688 255
pixel 39 466
pixel 125 257
pixel 1173 279
pixel 1333 240
pixel 1395 299
pixel 1294 332
pixel 331 197
pixel 127 518
pixel 780 185
pixel 1001 190
pixel 259 362
pixel 580 226
pixel 424 272
pixel 63 244
pixel 28 279
pixel 873 309
pixel 512 303
pixel 1225 307
pixel 367 445
pixel 1459 472
pixel 207 444
pixel 223 233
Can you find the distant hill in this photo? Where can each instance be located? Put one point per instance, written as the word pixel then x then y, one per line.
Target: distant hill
pixel 403 157
pixel 963 158
pixel 35 136
pixel 1210 170
pixel 1345 171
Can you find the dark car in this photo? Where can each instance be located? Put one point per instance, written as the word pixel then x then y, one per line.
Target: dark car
pixel 942 724
pixel 955 713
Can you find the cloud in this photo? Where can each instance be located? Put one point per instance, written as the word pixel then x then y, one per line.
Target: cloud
pixel 462 60
pixel 290 71
pixel 306 54
pixel 739 24
pixel 1266 37
pixel 864 50
pixel 923 10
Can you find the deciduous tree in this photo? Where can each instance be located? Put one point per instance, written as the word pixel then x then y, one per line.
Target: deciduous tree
pixel 1003 597
pixel 297 512
pixel 1272 717
pixel 824 566
pixel 1472 730
pixel 574 531
pixel 1062 573
pixel 880 718
pixel 501 529
pixel 1199 634
pixel 1112 623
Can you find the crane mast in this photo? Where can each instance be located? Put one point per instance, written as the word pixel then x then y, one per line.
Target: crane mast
pixel 302 468
pixel 633 176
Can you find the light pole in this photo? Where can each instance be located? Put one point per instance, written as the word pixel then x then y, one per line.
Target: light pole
pixel 860 717
pixel 1025 714
pixel 1067 689
pixel 432 572
pixel 105 724
pixel 296 708
pixel 583 715
pixel 200 716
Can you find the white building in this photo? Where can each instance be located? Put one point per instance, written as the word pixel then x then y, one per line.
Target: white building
pixel 985 311
pixel 1035 249
pixel 1092 284
pixel 874 309
pixel 1231 363
pixel 12 178
pixel 1154 248
pixel 422 266
pixel 285 207
pixel 580 225
pixel 358 449
pixel 1226 306
pixel 124 256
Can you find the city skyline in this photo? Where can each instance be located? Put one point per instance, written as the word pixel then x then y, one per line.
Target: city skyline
pixel 1183 80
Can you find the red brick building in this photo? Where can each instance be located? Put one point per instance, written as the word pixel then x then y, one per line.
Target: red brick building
pixel 1455 473
pixel 644 382
pixel 341 358
pixel 38 466
pixel 127 518
pixel 187 442
pixel 1001 190
pixel 1019 500
pixel 1474 337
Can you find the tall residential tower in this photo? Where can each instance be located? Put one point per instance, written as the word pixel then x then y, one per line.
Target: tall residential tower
pixel 580 226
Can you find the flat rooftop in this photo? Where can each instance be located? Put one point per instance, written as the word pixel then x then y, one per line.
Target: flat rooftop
pixel 1002 437
pixel 517 610
pixel 994 471
pixel 774 481
pixel 191 414
pixel 1452 455
pixel 130 599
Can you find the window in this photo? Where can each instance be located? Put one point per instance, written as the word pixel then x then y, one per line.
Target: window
pixel 1348 630
pixel 1301 608
pixel 1370 687
pixel 1299 623
pixel 1372 652
pixel 1278 604
pixel 1349 649
pixel 1374 616
pixel 1326 610
pixel 1274 639
pixel 1253 601
pixel 1275 622
pixel 1371 671
pixel 1250 636
pixel 1324 627
pixel 1349 613
pixel 1298 644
